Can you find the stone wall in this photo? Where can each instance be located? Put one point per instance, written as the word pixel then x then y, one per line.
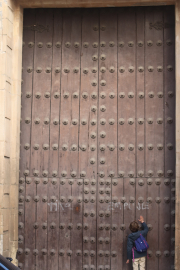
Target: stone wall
pixel 10 89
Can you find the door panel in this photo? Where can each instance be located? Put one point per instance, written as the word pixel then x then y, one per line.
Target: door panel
pixel 97 136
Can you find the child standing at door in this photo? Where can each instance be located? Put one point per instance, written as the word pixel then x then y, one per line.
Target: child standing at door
pixel 139 258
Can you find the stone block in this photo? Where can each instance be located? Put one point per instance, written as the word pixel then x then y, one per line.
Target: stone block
pixel 2 133
pixel 6 188
pixel 2 108
pixel 7 150
pixel 8 101
pixel 13 251
pixel 14 152
pixel 6 63
pixel 14 193
pixel 1 223
pixel 8 70
pixel 1 199
pixel 6 253
pixel 3 63
pixel 7 28
pixel 14 225
pixel 6 240
pixel 11 4
pixel 5 201
pixel 5 101
pixel 15 171
pixel 7 12
pixel 3 80
pixel 2 170
pixel 9 43
pixel 177 158
pixel 6 219
pixel 2 146
pixel 7 123
pixel 5 176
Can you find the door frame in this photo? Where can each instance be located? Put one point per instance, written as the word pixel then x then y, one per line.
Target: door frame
pixel 12 35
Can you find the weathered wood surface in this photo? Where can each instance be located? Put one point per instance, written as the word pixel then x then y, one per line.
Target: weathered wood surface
pixel 98 148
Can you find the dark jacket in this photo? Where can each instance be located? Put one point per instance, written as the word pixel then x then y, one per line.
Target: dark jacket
pixel 130 242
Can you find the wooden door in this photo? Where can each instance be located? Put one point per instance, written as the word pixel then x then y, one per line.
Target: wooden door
pixel 97 137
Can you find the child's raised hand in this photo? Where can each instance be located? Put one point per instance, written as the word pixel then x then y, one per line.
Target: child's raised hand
pixel 141 219
pixel 127 261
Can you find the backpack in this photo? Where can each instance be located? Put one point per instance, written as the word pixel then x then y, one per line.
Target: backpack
pixel 141 245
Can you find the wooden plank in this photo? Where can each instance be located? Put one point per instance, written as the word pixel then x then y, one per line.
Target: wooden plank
pixel 72 19
pixel 165 218
pixel 140 93
pixel 29 227
pixel 169 116
pixel 28 259
pixel 55 93
pixel 70 83
pixel 103 223
pixel 88 129
pixel 41 107
pixel 129 212
pixel 107 144
pixel 126 90
pixel 53 190
pixel 149 86
pixel 41 90
pixel 141 200
pixel 173 190
pixel 169 93
pixel 53 223
pixel 158 100
pixel 108 85
pixel 117 212
pixel 64 220
pixel 21 221
pixel 26 99
pixel 77 221
pixel 88 133
pixel 154 96
pixel 153 221
pixel 154 131
pixel 41 232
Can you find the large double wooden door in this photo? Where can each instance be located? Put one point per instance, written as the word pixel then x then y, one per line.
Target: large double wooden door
pixel 97 137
